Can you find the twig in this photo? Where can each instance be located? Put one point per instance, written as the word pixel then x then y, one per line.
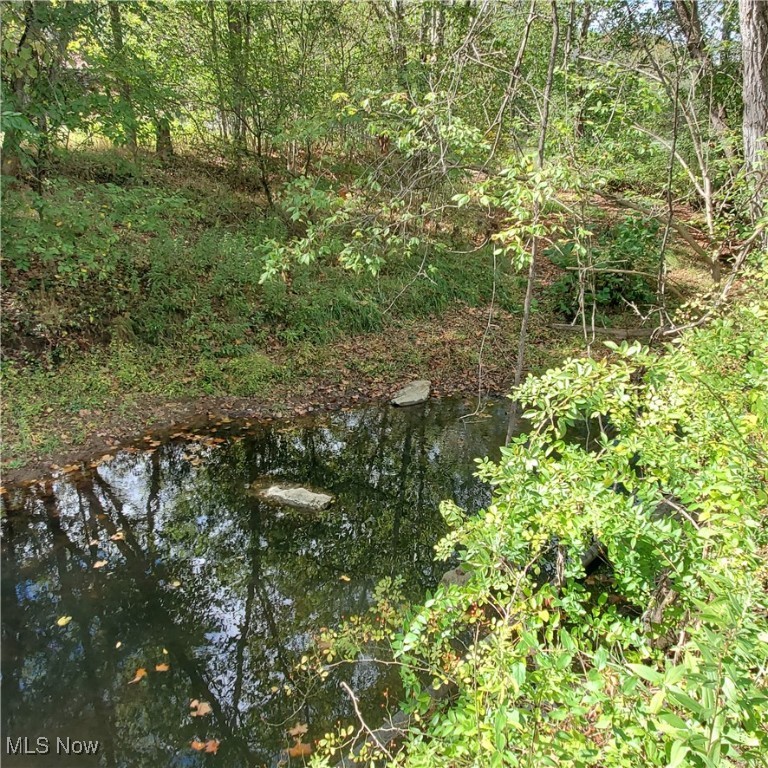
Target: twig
pixel 370 733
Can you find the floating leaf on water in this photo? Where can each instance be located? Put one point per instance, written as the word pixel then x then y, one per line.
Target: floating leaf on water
pixel 162 667
pixel 298 730
pixel 300 749
pixel 99 563
pixel 140 674
pixel 62 621
pixel 199 708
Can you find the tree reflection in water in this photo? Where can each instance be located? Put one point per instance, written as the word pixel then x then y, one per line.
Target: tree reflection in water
pixel 204 576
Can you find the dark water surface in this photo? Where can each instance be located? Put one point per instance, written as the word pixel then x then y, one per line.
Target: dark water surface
pixel 225 589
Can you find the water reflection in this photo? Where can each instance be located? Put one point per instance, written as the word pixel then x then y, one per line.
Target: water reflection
pixel 165 557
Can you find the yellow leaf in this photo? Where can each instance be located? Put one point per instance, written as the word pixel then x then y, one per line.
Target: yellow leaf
pixel 212 746
pixel 140 674
pixel 99 563
pixel 118 643
pixel 162 667
pixel 119 536
pixel 62 621
pixel 344 577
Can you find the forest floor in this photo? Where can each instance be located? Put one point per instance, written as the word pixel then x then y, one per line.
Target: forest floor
pixel 365 368
pixel 153 318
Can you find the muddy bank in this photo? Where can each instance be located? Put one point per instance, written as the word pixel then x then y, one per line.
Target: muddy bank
pixel 153 419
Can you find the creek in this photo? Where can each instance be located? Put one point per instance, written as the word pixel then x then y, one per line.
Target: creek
pixel 163 559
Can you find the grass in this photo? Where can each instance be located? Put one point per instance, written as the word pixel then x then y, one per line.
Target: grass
pixel 131 279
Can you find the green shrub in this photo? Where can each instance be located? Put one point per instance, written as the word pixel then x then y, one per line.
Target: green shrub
pixel 630 247
pixel 661 662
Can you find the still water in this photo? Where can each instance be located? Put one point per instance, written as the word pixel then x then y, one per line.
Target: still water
pixel 165 556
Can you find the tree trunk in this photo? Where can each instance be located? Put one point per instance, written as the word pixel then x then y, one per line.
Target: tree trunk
pixel 116 24
pixel 217 70
pixel 753 15
pixel 520 362
pixel 688 17
pixel 11 150
pixel 163 143
pixel 581 42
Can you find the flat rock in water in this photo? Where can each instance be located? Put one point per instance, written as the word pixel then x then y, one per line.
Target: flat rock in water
pixel 413 393
pixel 301 498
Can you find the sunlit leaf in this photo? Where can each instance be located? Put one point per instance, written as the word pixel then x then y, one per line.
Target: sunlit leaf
pixel 141 673
pixel 212 746
pixel 99 563
pixel 162 667
pixel 198 746
pixel 62 621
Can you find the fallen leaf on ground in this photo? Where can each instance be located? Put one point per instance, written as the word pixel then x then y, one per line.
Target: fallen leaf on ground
pixel 199 708
pixel 119 536
pixel 344 577
pixel 300 749
pixel 162 667
pixel 140 673
pixel 212 746
pixel 298 730
pixel 99 563
pixel 62 621
pixel 93 543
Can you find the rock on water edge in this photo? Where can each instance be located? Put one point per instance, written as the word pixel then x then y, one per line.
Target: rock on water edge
pixel 413 393
pixel 301 498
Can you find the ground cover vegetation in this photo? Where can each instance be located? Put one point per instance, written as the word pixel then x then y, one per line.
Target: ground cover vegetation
pixel 256 199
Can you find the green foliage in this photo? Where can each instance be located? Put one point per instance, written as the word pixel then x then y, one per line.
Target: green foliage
pixel 666 662
pixel 620 268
